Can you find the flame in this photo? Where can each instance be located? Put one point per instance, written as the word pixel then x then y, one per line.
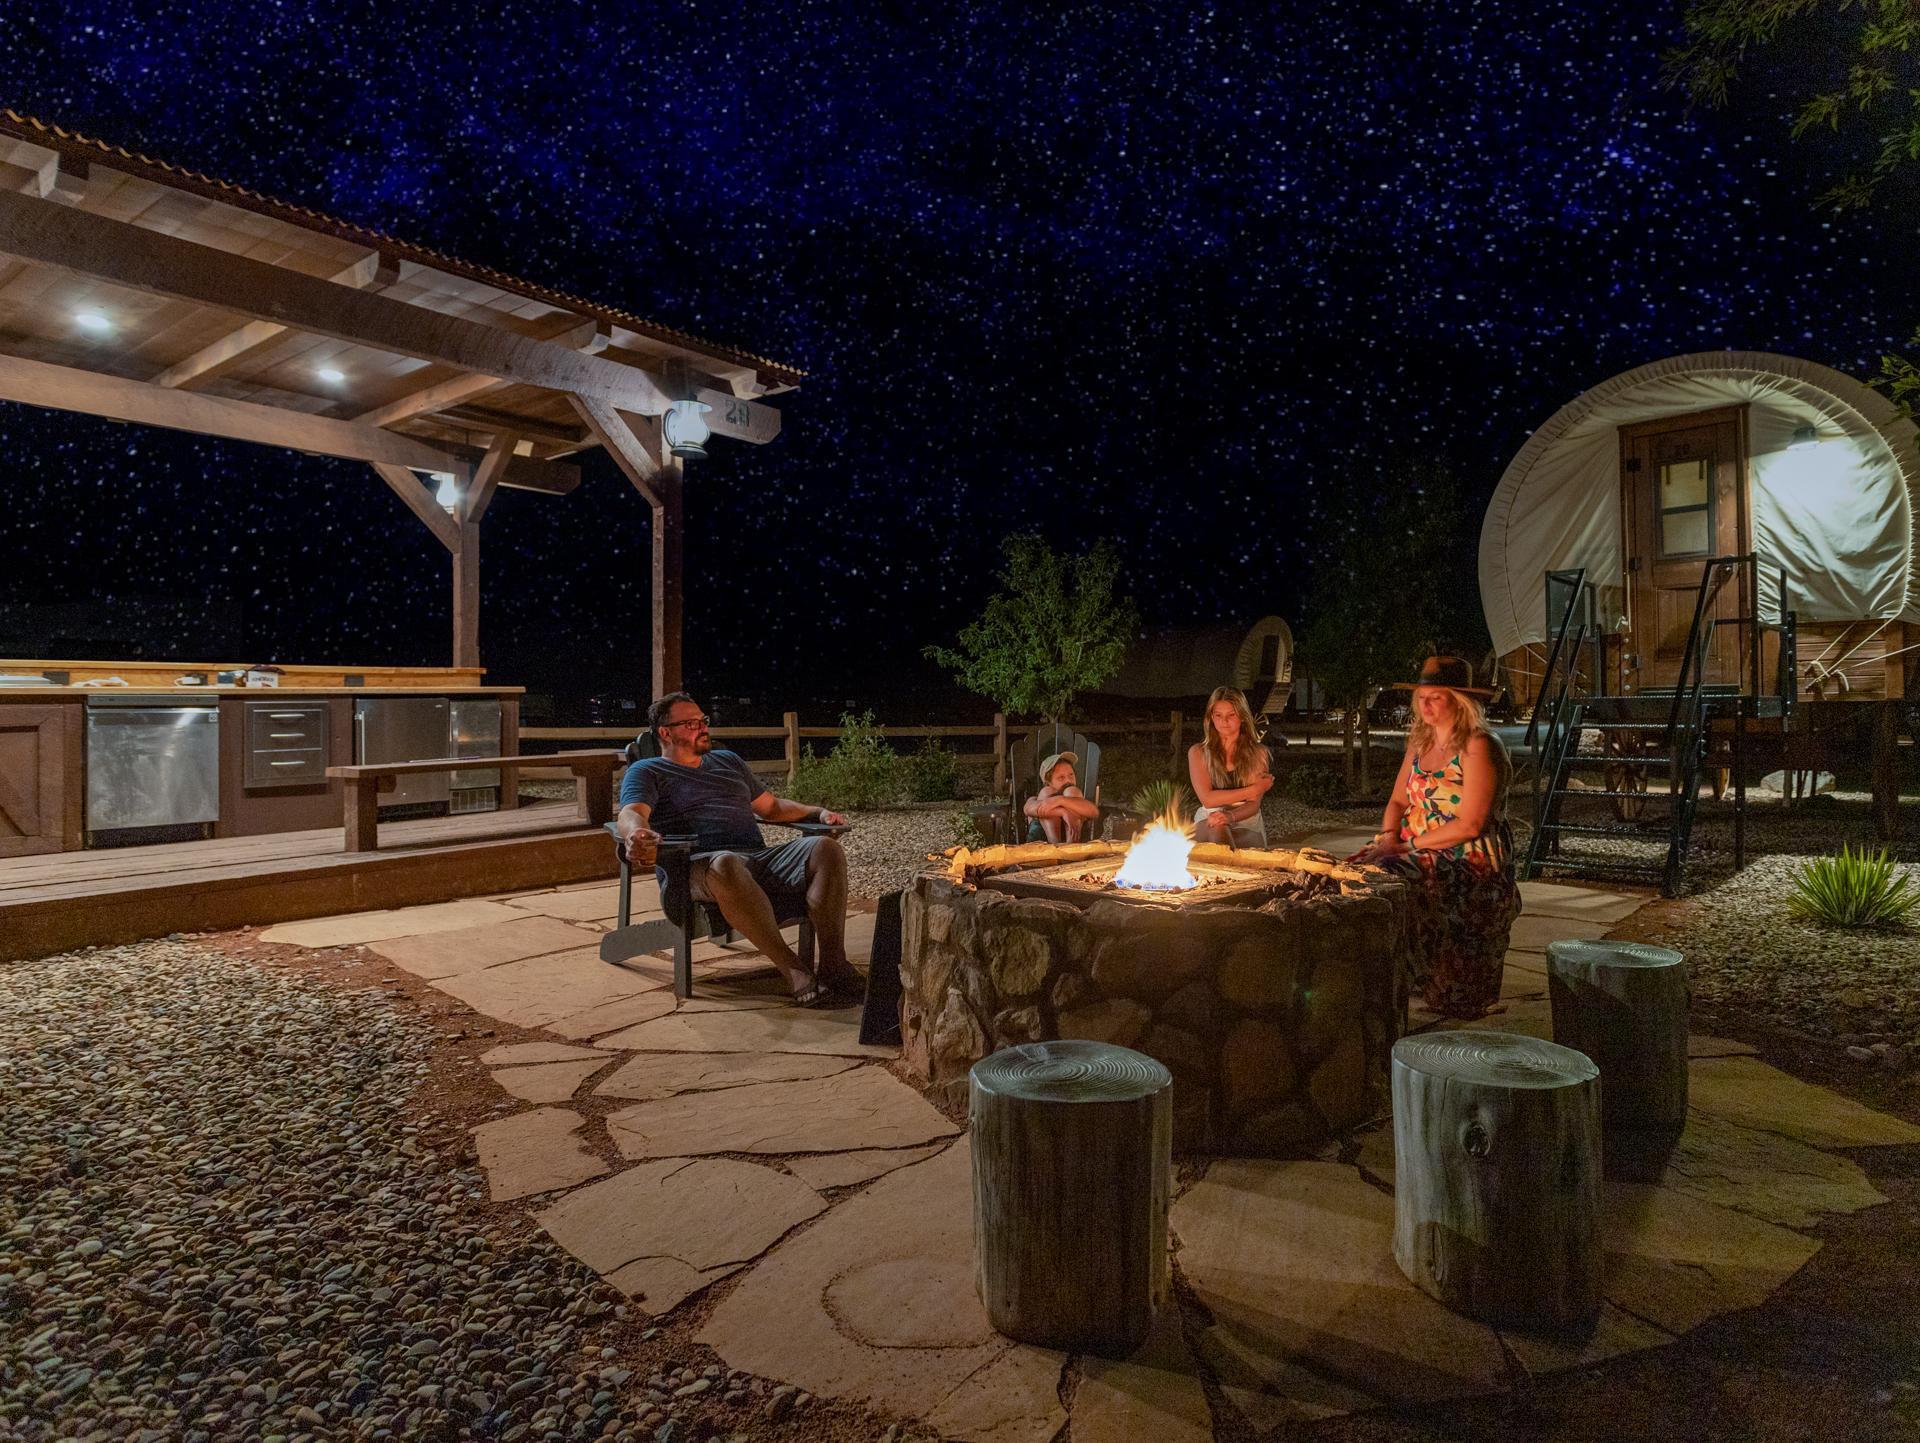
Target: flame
pixel 1157 860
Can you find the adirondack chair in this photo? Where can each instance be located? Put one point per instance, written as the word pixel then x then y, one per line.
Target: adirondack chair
pixel 685 921
pixel 1023 764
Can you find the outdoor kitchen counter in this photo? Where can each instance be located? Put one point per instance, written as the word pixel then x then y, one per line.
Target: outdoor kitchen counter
pixel 44 740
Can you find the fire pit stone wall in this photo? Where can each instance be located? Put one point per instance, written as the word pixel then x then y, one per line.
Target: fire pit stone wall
pixel 1277 1022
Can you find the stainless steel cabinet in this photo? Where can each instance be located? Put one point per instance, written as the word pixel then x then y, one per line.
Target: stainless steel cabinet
pixel 476 733
pixel 404 729
pixel 151 766
pixel 287 744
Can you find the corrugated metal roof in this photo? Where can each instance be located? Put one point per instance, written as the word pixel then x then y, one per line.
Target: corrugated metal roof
pixel 85 148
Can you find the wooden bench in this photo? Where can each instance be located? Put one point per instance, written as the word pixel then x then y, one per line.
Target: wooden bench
pixel 592 775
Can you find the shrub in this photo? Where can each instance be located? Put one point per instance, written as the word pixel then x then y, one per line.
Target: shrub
pixel 931 774
pixel 963 828
pixel 1854 889
pixel 861 770
pixel 1316 786
pixel 1166 799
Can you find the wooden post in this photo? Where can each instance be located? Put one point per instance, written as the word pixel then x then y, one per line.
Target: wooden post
pixel 1346 748
pixel 1624 1004
pixel 669 521
pixel 999 753
pixel 1072 1173
pixel 363 813
pixel 1886 770
pixel 1366 752
pixel 466 596
pixel 1496 1211
pixel 791 721
pixel 1177 734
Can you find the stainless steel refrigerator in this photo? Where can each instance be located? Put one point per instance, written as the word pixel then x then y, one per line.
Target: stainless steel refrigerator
pixel 405 729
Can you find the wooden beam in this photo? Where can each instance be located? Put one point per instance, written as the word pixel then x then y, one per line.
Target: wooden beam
pixel 420 502
pixel 466 595
pixel 478 495
pixel 248 341
pixel 485 418
pixel 579 334
pixel 120 254
pixel 549 478
pixel 63 388
pixel 629 453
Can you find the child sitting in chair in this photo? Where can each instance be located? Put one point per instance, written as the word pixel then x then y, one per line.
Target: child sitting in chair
pixel 1060 812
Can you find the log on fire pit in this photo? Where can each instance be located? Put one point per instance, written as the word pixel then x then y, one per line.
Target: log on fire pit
pixel 1273 988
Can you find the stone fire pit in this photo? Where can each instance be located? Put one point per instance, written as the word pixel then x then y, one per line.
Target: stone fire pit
pixel 1273 992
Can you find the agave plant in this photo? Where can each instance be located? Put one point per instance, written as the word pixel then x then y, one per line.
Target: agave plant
pixel 1854 889
pixel 1164 800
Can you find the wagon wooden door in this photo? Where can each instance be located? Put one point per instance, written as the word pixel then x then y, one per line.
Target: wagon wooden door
pixel 1684 494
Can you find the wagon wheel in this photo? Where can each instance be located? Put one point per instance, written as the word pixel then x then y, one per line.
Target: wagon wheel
pixel 1626 776
pixel 1722 779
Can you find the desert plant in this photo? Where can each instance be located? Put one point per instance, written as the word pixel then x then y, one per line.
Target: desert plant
pixel 1316 786
pixel 1854 889
pixel 1164 800
pixel 862 770
pixel 931 774
pixel 963 829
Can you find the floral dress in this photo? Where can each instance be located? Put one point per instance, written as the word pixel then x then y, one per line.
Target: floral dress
pixel 1465 896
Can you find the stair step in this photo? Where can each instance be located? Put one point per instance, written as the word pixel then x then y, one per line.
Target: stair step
pixel 1588 759
pixel 1596 792
pixel 1652 871
pixel 1619 829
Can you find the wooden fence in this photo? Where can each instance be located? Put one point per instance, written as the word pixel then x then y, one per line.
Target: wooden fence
pixel 999 736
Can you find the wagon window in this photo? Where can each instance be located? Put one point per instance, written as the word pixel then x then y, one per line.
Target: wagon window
pixel 1686 507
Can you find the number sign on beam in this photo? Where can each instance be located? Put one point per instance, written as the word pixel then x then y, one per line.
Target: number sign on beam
pixel 739 418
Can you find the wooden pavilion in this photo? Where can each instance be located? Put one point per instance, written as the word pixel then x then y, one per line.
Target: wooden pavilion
pixel 137 291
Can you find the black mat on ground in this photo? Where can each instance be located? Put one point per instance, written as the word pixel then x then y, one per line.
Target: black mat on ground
pixel 880 1022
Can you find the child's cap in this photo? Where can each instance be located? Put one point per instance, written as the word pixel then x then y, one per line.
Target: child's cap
pixel 1046 767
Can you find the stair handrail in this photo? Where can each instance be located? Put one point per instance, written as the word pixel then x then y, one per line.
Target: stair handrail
pixel 1550 759
pixel 1693 657
pixel 1578 588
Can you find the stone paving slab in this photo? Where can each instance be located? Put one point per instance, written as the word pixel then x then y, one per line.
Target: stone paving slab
pixel 1155 1394
pixel 534 1152
pixel 1014 1399
pixel 844 1169
pixel 1764 1174
pixel 622 1012
pixel 865 1108
pixel 433 955
pixel 355 928
pixel 1614 1334
pixel 547 1081
pixel 1295 1262
pixel 1532 933
pixel 1747 1091
pixel 1699 1046
pixel 834 1031
pixel 519 1054
pixel 1270 1392
pixel 876 1302
pixel 541 990
pixel 663 1230
pixel 668 1074
pixel 1676 1261
pixel 587 904
pixel 1586 904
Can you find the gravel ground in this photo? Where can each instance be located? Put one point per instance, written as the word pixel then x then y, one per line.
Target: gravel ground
pixel 1747 953
pixel 217 1224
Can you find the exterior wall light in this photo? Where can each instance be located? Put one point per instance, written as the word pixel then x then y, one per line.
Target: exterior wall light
pixel 684 428
pixel 1803 436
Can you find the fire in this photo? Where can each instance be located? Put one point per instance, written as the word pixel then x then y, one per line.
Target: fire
pixel 1157 860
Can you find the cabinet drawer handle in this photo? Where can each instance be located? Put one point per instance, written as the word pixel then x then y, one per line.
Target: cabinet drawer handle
pixel 286 764
pixel 286 716
pixel 282 736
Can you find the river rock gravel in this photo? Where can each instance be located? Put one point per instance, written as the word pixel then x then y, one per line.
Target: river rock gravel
pixel 216 1223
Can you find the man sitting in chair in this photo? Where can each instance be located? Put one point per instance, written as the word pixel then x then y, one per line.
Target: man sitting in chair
pixel 713 795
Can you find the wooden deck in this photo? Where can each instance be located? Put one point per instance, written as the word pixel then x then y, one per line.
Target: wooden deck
pixel 58 901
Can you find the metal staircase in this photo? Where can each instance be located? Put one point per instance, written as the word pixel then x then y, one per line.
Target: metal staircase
pixel 1642 756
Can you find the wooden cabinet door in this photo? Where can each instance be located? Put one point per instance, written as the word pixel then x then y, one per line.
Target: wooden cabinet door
pixel 40 782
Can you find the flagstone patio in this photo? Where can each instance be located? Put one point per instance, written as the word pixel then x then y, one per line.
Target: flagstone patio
pixel 671 1146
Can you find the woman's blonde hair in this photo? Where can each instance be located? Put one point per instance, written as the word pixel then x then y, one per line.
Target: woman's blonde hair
pixel 1469 719
pixel 1249 763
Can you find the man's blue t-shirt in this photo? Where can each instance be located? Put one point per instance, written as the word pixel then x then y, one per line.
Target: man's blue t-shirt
pixel 713 801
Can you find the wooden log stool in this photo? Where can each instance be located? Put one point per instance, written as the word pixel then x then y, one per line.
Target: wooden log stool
pixel 1072 1174
pixel 1624 1004
pixel 1496 1203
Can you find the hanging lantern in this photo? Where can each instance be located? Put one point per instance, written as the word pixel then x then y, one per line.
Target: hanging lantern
pixel 685 429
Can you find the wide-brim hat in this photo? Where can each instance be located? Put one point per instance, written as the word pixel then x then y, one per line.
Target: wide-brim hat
pixel 1047 766
pixel 1453 672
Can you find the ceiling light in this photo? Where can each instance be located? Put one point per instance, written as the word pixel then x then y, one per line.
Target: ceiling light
pixel 92 321
pixel 332 375
pixel 1803 436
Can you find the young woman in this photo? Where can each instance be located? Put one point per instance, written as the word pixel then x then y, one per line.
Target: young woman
pixel 1445 830
pixel 1230 773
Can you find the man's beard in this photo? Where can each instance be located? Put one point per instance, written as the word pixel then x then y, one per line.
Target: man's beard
pixel 703 743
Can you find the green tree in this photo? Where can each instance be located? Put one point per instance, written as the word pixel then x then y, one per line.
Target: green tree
pixel 1856 64
pixel 1392 582
pixel 1053 630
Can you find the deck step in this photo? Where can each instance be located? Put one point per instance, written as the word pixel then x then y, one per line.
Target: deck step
pixel 1617 829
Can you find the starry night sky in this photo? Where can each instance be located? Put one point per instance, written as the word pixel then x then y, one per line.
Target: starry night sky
pixel 1170 274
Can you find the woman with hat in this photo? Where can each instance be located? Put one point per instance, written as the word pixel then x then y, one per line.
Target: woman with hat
pixel 1445 829
pixel 1060 811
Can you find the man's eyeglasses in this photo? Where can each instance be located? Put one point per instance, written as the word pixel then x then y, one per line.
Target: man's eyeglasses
pixel 692 721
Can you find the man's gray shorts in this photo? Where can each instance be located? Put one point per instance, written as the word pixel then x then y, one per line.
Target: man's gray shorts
pixel 781 871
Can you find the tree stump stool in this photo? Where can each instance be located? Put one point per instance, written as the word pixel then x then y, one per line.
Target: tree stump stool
pixel 1496 1204
pixel 1072 1173
pixel 1624 1004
